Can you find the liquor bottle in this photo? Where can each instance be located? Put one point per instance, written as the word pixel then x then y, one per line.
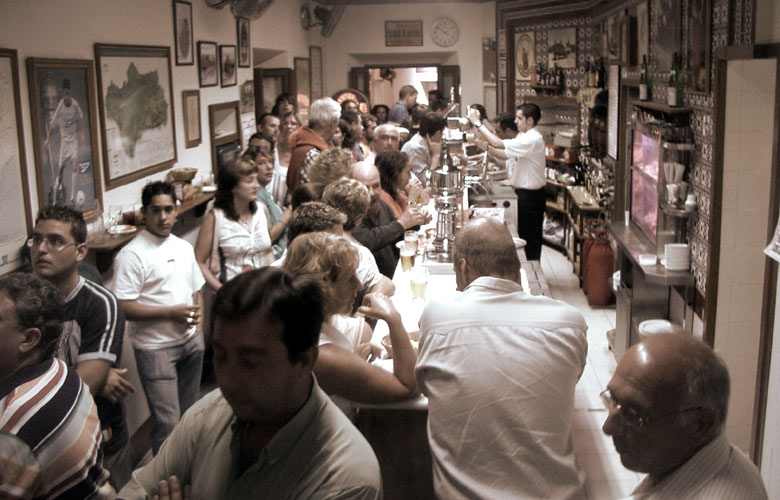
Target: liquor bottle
pixel 671 88
pixel 643 93
pixel 591 73
pixel 600 80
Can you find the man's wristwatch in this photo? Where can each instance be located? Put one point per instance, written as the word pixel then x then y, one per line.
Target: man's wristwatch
pixel 478 124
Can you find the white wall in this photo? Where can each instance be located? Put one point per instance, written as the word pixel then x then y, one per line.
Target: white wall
pixel 770 455
pixel 359 39
pixel 767 21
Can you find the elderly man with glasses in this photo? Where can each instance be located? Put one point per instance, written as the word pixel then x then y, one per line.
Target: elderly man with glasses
pixel 667 405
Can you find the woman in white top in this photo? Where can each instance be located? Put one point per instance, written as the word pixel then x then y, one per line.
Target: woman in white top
pixel 240 227
pixel 343 367
pixel 289 123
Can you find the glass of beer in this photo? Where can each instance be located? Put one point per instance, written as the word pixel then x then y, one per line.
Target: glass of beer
pixel 410 240
pixel 407 257
pixel 419 282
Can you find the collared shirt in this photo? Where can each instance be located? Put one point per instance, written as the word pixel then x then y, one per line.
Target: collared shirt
pixel 527 151
pixel 278 186
pixel 419 156
pixel 318 454
pixel 499 367
pixel 398 113
pixel 717 471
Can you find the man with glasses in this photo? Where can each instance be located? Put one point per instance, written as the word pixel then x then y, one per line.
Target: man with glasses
pixel 92 331
pixel 667 405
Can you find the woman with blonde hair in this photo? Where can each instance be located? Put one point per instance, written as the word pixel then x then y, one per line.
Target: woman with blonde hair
pixel 330 166
pixel 343 369
pixel 234 235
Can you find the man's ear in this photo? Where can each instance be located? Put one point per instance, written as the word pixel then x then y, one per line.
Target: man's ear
pixel 308 357
pixel 703 426
pixel 32 337
pixel 81 251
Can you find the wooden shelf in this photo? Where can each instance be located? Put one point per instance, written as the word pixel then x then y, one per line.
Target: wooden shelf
pixel 553 88
pixel 663 108
pixel 570 161
pixel 554 206
pixel 676 212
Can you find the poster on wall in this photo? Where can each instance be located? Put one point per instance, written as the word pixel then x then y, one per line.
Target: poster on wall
pixel 14 188
pixel 525 55
pixel 562 48
pixel 642 32
pixel 136 111
pixel 698 66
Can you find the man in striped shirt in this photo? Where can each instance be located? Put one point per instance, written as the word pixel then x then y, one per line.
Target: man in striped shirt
pixel 667 404
pixel 49 428
pixel 93 328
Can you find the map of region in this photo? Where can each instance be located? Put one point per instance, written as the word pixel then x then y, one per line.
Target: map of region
pixel 137 106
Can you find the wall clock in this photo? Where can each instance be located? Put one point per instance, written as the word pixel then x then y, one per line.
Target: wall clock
pixel 444 32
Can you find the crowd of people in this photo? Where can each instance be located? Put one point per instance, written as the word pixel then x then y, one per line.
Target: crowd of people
pixel 291 270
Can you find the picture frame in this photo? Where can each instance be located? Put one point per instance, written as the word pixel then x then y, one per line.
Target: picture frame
pixel 642 32
pixel 190 108
pixel 62 107
pixel 15 190
pixel 613 38
pixel 227 66
pixel 525 55
pixel 562 48
pixel 628 41
pixel 666 32
pixel 502 68
pixel 404 33
pixel 243 42
pixel 301 72
pixel 247 97
pixel 182 33
pixel 315 85
pixel 224 133
pixel 699 45
pixel 138 129
pixel 489 55
pixel 208 69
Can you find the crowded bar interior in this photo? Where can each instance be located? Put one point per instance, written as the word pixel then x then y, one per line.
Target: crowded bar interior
pixel 533 246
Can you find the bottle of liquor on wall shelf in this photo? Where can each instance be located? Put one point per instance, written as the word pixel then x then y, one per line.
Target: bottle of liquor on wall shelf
pixel 644 87
pixel 672 94
pixel 601 74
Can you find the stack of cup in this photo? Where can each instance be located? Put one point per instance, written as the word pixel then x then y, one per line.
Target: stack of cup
pixel 677 256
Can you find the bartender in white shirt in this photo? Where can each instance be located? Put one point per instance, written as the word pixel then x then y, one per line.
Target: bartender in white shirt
pixel 527 152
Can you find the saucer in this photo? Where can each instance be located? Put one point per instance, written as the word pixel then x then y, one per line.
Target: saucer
pixel 122 229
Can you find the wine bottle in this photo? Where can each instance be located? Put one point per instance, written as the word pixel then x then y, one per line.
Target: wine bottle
pixel 671 88
pixel 601 82
pixel 643 93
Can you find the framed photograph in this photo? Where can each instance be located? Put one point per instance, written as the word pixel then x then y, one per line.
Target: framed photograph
pixel 562 48
pixel 227 65
pixel 642 32
pixel 208 72
pixel 315 58
pixel 190 106
pixel 613 38
pixel 14 190
pixel 242 39
pixel 502 68
pixel 182 33
pixel 489 55
pixel 403 33
pixel 699 32
pixel 62 105
pixel 247 97
pixel 136 111
pixel 665 22
pixel 302 70
pixel 525 55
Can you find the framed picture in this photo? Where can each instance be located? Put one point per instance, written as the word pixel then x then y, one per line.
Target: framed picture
pixel 62 105
pixel 14 190
pixel 502 68
pixel 242 39
pixel 247 97
pixel 562 48
pixel 227 65
pixel 403 33
pixel 182 33
pixel 525 55
pixel 699 32
pixel 190 106
pixel 302 70
pixel 136 111
pixel 613 38
pixel 642 32
pixel 224 133
pixel 315 58
pixel 665 22
pixel 208 72
pixel 489 54
pixel 489 98
pixel 628 41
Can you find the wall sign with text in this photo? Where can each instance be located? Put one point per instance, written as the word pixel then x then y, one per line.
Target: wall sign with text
pixel 403 33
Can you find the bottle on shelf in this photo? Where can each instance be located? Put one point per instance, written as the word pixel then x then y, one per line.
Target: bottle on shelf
pixel 601 74
pixel 644 88
pixel 672 97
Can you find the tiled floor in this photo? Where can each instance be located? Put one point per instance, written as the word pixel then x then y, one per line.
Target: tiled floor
pixel 606 478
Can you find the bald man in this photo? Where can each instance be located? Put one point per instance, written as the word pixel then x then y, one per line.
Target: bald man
pixel 380 230
pixel 499 367
pixel 667 405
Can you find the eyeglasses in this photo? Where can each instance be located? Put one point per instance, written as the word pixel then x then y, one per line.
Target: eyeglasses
pixel 631 417
pixel 53 241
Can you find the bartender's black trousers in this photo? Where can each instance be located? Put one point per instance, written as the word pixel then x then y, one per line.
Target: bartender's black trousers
pixel 530 217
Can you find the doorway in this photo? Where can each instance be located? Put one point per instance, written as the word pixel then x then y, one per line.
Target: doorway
pixel 382 83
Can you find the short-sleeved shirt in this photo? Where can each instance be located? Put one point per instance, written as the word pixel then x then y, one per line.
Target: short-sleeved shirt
pixel 158 271
pixel 420 156
pixel 94 328
pixel 527 152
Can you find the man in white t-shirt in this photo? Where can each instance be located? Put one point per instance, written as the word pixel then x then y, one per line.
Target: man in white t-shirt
pixel 158 283
pixel 527 152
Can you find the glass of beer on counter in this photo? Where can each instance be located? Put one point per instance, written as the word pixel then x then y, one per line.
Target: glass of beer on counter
pixel 419 282
pixel 410 240
pixel 408 253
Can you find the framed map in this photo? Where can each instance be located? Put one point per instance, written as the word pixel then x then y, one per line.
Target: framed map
pixel 136 111
pixel 14 190
pixel 62 105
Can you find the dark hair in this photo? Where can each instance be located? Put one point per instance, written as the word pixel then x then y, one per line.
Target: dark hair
pixel 506 121
pixel 309 191
pixel 288 113
pixel 368 117
pixel 436 94
pixel 78 228
pixel 350 117
pixel 438 105
pixel 531 110
pixel 284 98
pixel 344 128
pixel 350 197
pixel 313 216
pixel 228 178
pixel 378 107
pixel 263 137
pixel 390 164
pixel 37 304
pixel 156 188
pixel 344 103
pixel 295 302
pixel 431 123
pixel 262 118
pixel 482 111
